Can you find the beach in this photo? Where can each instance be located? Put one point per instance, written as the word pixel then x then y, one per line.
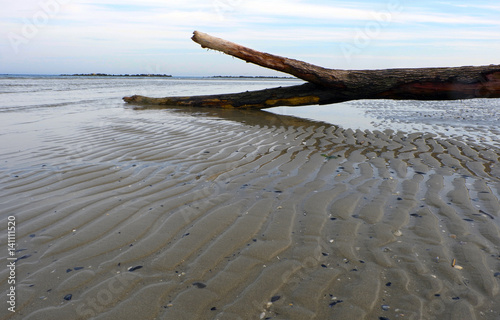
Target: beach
pixel 124 213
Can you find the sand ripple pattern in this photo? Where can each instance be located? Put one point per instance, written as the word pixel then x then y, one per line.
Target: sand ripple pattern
pixel 221 220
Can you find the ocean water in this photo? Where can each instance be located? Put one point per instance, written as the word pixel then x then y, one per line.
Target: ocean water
pixel 34 105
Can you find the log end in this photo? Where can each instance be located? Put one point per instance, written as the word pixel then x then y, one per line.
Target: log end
pixel 132 99
pixel 195 36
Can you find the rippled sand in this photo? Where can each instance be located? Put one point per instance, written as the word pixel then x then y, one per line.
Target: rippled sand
pixel 251 216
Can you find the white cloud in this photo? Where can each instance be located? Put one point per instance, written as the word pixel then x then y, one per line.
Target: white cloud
pixel 348 12
pixel 88 30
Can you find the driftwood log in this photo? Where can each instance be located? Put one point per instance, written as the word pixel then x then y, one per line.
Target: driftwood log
pixel 326 86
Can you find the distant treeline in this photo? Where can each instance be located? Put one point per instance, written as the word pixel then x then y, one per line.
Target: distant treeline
pixel 167 76
pixel 117 75
pixel 253 77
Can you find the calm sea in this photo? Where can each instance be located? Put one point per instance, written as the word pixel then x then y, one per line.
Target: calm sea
pixel 32 105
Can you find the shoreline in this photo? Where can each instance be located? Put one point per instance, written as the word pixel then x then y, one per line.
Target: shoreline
pixel 142 75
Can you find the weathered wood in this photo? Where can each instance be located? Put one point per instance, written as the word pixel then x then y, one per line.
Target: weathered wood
pixel 302 70
pixel 334 85
pixel 300 95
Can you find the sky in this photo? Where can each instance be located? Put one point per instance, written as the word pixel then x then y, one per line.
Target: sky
pixel 153 36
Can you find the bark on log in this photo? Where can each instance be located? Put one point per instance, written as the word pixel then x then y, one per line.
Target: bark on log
pixel 301 95
pixel 334 85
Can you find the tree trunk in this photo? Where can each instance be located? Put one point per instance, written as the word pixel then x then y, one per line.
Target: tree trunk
pixel 300 95
pixel 334 85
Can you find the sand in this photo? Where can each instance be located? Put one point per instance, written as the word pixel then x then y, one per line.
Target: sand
pixel 158 214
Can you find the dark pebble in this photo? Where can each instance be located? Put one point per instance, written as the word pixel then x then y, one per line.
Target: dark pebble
pixel 131 269
pixel 399 198
pixel 213 309
pixel 497 274
pixel 333 219
pixel 186 234
pixel 78 268
pixel 487 214
pixel 383 318
pixel 32 235
pixel 388 284
pixel 324 254
pixel 335 302
pixel 68 297
pixel 275 298
pixel 69 270
pixel 199 285
pixel 324 266
pixel 24 257
pixel 456 298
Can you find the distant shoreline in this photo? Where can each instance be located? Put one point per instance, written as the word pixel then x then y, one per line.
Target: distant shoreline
pixel 143 75
pixel 168 76
pixel 251 77
pixel 116 75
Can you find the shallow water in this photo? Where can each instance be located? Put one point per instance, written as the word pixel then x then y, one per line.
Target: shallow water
pixel 222 214
pixel 474 120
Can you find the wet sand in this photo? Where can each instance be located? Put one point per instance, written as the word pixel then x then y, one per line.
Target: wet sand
pixel 250 215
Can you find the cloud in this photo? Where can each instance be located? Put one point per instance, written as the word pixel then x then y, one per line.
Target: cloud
pixel 336 12
pixel 127 32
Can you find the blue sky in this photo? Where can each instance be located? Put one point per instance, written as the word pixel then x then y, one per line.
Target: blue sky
pixel 153 36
